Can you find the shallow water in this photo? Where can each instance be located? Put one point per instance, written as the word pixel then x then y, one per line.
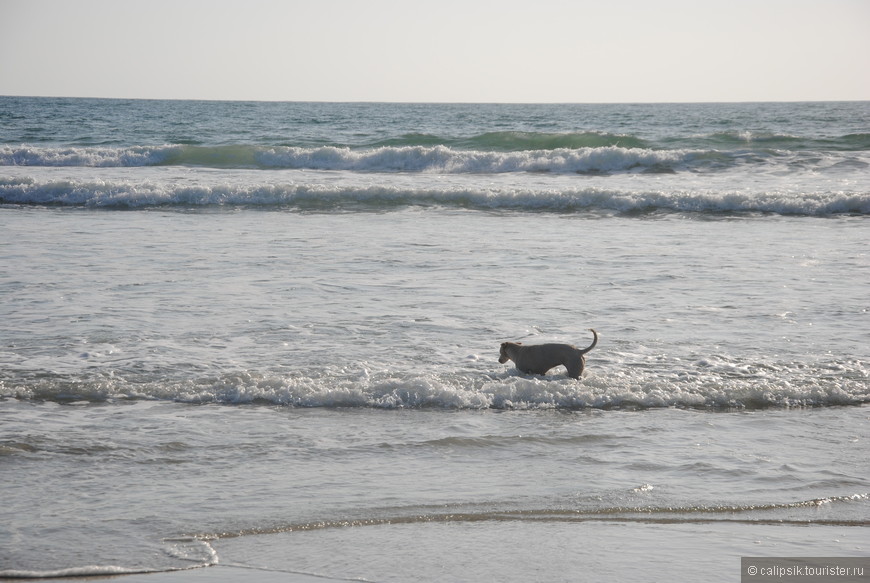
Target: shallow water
pixel 394 495
pixel 207 359
pixel 391 309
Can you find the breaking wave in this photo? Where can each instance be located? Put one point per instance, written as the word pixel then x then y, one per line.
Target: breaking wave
pixel 405 158
pixel 323 196
pixel 709 385
pixel 491 152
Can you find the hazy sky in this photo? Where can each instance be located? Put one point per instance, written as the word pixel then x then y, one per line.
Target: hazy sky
pixel 438 50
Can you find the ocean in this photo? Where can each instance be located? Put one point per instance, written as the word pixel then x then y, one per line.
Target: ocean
pixel 255 340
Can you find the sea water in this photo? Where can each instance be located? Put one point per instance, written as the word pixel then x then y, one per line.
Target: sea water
pixel 265 335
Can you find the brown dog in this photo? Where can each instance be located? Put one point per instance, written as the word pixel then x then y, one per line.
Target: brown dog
pixel 539 358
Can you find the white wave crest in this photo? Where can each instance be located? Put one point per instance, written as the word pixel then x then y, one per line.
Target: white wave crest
pixel 442 159
pixel 438 159
pixel 474 195
pixel 361 387
pixel 83 156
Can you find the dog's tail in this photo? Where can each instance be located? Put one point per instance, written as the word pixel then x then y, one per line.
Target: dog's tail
pixel 594 342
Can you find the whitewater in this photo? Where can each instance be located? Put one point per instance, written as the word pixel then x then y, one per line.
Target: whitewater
pixel 261 339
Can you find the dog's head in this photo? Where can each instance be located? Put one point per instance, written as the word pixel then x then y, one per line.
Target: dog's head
pixel 503 353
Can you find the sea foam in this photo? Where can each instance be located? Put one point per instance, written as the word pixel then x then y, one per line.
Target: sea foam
pixel 322 195
pixel 438 158
pixel 701 386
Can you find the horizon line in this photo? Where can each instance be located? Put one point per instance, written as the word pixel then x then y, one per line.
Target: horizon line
pixel 424 102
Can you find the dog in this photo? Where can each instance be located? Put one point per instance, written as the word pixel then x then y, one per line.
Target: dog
pixel 539 358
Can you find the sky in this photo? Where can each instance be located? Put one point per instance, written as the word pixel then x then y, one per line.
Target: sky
pixel 568 51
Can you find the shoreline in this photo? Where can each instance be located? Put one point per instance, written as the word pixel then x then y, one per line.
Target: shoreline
pixel 211 573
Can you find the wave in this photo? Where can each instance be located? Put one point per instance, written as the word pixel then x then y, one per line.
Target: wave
pixel 189 549
pixel 512 141
pixel 71 572
pixel 747 514
pixel 803 385
pixel 500 151
pixel 742 139
pixel 419 158
pixel 88 571
pixel 437 159
pixel 326 197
